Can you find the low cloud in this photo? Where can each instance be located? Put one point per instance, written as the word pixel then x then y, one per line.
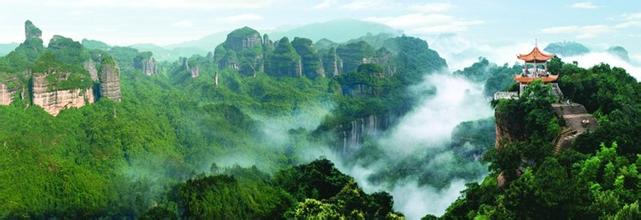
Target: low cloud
pixel 595 58
pixel 581 32
pixel 420 23
pixel 584 5
pixel 431 123
pixel 241 18
pixel 432 7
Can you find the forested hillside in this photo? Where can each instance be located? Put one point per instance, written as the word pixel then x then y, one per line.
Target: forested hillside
pixel 174 143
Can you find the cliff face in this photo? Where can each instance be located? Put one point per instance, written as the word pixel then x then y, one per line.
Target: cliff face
pixel 149 66
pixel 310 59
pixel 284 61
pixel 353 134
pixel 332 64
pixel 242 51
pixel 355 54
pixel 5 95
pixel 195 71
pixel 90 66
pixel 110 81
pixel 53 101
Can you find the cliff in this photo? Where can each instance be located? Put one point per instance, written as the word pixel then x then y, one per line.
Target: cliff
pixel 284 61
pixel 109 80
pixel 53 101
pixel 5 95
pixel 242 51
pixel 355 54
pixel 353 133
pixel 90 66
pixel 146 63
pixel 332 64
pixel 310 59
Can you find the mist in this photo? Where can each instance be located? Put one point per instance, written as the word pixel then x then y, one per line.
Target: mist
pixel 594 58
pixel 421 142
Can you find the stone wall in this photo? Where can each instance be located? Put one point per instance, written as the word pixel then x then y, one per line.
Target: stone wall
pixel 56 100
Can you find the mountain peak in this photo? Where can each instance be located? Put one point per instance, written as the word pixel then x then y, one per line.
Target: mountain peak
pixel 31 31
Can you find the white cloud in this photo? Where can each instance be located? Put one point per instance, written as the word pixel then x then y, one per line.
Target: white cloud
pixel 324 4
pixel 584 5
pixel 183 24
pixel 581 32
pixel 431 123
pixel 432 7
pixel 162 4
pixel 358 5
pixel 418 23
pixel 591 59
pixel 630 20
pixel 242 18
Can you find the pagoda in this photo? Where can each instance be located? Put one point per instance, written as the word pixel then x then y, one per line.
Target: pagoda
pixel 536 68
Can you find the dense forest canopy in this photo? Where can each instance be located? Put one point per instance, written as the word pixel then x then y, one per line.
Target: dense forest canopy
pixel 229 135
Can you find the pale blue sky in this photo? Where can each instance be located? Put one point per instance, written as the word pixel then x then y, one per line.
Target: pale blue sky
pixel 598 23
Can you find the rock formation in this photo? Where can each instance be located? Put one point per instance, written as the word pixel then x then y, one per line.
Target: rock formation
pixel 354 54
pixel 5 95
pixel 53 101
pixel 310 59
pixel 149 67
pixel 244 38
pixel 577 121
pixel 195 71
pixel 242 51
pixel 31 31
pixel 332 64
pixel 284 61
pixel 90 66
pixel 146 63
pixel 109 80
pixel 353 134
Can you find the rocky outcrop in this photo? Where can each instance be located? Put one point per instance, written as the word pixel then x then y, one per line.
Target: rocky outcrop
pixel 110 80
pixel 332 64
pixel 53 101
pixel 31 31
pixel 355 54
pixel 90 66
pixel 242 51
pixel 354 133
pixel 310 59
pixel 6 96
pixel 284 61
pixel 146 63
pixel 195 71
pixel 149 66
pixel 577 121
pixel 243 38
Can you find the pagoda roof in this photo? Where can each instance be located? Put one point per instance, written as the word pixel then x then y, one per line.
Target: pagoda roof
pixel 535 56
pixel 527 79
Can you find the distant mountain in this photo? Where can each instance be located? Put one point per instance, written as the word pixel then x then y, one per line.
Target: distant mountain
pixel 567 48
pixel 170 54
pixel 207 43
pixel 375 40
pixel 6 48
pixel 340 30
pixel 620 52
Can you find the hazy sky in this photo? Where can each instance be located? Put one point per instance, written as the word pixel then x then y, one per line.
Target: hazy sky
pixel 599 23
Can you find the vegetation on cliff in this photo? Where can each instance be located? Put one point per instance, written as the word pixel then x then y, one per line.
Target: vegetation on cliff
pixel 598 177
